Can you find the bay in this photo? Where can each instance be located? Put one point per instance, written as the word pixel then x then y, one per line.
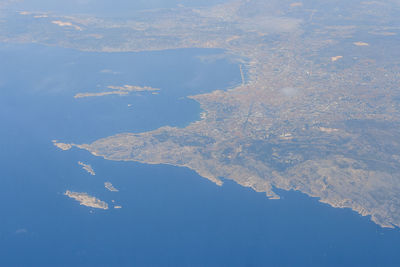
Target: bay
pixel 169 216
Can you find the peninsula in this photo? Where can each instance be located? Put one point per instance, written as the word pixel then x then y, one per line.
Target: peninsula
pixel 318 112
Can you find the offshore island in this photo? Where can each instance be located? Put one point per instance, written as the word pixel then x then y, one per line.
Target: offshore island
pixel 119 90
pixel 86 200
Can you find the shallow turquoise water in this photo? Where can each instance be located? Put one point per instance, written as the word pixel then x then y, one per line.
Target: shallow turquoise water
pixel 170 215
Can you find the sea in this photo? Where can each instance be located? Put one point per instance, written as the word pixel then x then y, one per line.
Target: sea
pixel 170 216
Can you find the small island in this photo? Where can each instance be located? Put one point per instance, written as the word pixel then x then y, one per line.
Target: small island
pixel 87 167
pixel 62 146
pixel 110 187
pixel 119 90
pixel 87 200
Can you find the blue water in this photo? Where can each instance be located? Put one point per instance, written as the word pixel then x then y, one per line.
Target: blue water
pixel 170 215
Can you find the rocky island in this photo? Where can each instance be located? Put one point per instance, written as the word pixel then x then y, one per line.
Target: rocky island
pixel 87 200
